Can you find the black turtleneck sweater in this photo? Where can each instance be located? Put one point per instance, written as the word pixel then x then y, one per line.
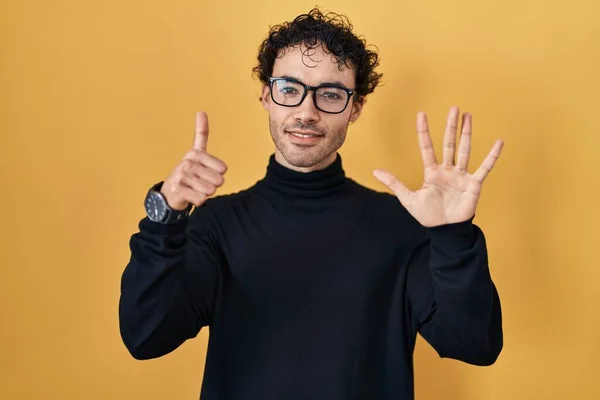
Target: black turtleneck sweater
pixel 313 287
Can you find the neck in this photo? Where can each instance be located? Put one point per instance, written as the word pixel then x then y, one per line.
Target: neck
pixel 326 184
pixel 321 165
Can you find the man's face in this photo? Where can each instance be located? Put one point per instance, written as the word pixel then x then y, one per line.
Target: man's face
pixel 312 67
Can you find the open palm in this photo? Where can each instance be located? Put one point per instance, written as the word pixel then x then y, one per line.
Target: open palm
pixel 449 193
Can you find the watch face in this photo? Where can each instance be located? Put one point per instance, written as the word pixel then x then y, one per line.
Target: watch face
pixel 155 207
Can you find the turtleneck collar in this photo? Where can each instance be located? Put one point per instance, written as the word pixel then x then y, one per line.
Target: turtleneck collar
pixel 315 184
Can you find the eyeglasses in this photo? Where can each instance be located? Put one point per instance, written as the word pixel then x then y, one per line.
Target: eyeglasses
pixel 288 92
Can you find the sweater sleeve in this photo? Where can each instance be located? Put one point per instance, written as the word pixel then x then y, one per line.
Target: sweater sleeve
pixel 452 299
pixel 168 286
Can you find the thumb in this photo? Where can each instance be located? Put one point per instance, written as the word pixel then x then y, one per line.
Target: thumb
pixel 389 180
pixel 201 138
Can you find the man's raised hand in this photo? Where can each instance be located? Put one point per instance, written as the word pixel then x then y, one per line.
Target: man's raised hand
pixel 198 175
pixel 449 194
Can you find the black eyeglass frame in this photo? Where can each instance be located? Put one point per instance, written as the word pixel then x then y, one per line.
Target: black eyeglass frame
pixel 273 79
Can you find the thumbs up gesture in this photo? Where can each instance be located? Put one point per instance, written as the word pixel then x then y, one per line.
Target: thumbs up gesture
pixel 198 175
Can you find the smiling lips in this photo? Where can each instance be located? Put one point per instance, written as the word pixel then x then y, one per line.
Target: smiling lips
pixel 305 136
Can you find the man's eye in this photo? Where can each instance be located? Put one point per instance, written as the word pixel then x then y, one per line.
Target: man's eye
pixel 288 90
pixel 331 95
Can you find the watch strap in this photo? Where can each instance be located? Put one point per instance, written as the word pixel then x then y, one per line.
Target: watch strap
pixel 172 215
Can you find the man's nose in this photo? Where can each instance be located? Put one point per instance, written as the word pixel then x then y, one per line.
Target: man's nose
pixel 307 110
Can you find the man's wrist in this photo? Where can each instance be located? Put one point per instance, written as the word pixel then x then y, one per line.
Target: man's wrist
pixel 455 236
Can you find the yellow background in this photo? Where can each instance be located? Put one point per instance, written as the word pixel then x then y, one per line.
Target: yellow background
pixel 98 101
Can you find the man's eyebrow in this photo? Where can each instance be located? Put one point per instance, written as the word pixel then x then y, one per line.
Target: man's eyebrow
pixel 334 83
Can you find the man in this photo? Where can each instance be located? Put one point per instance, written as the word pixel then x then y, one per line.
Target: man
pixel 313 286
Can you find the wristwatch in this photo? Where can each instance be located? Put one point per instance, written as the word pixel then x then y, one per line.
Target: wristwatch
pixel 158 209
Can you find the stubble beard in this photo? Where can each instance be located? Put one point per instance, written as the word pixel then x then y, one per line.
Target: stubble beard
pixel 306 156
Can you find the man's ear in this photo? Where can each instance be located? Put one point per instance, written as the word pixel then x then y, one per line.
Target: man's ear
pixel 265 97
pixel 357 107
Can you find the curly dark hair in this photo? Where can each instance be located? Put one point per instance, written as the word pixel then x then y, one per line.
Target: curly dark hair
pixel 334 33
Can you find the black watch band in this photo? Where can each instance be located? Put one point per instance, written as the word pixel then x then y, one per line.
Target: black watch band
pixel 158 209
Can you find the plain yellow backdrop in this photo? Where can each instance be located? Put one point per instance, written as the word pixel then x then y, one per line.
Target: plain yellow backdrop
pixel 98 102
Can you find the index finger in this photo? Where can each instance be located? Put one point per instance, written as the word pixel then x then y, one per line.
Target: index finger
pixel 427 152
pixel 201 138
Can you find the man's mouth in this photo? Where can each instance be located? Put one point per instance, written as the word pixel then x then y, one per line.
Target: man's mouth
pixel 305 134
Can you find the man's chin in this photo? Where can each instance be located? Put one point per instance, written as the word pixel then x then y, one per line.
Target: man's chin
pixel 305 159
